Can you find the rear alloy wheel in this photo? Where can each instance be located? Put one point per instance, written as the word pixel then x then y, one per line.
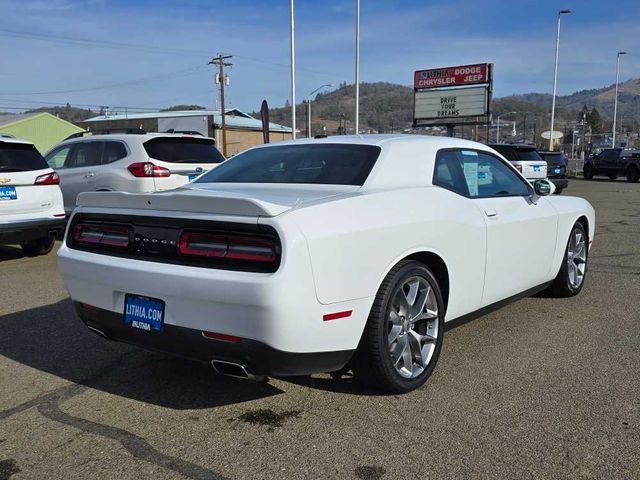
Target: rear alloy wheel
pixel 403 336
pixel 633 174
pixel 39 246
pixel 570 278
pixel 587 172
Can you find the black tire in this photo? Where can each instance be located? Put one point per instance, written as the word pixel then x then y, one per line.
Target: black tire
pixel 561 286
pixel 372 363
pixel 587 172
pixel 39 246
pixel 633 174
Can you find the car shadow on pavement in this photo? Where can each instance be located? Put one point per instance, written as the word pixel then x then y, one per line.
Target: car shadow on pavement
pixel 10 253
pixel 53 340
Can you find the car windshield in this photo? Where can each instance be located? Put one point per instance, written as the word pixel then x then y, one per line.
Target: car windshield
pixel 518 153
pixel 331 164
pixel 20 157
pixel 183 150
pixel 554 158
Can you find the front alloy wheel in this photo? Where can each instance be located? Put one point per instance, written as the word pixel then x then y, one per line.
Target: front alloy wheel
pixel 570 278
pixel 403 335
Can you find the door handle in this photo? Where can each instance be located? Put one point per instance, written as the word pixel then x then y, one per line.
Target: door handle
pixel 89 175
pixel 491 213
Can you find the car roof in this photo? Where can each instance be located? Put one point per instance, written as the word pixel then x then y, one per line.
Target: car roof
pixel 386 140
pixel 14 140
pixel 141 137
pixel 550 153
pixel 511 145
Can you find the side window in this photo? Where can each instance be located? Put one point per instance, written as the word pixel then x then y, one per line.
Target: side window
pixel 57 158
pixel 85 154
pixel 113 151
pixel 477 175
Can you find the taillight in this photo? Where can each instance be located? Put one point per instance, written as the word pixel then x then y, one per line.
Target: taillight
pixel 101 235
pixel 148 169
pixel 48 179
pixel 228 247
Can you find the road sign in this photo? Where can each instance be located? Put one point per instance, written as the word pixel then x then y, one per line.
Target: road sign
pixel 556 135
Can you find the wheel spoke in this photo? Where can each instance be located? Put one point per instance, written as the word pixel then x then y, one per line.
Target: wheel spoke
pixel 397 350
pixel 394 333
pixel 412 294
pixel 407 358
pixel 421 302
pixel 394 318
pixel 402 303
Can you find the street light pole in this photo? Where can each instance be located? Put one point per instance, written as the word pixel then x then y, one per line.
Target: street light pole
pixel 498 129
pixel 309 107
pixel 555 78
pixel 292 32
pixel 357 66
pixel 615 102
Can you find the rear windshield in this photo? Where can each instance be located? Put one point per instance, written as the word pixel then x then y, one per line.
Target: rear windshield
pixel 331 164
pixel 515 154
pixel 20 157
pixel 554 158
pixel 183 150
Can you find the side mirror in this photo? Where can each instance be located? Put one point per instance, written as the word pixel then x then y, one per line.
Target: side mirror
pixel 543 187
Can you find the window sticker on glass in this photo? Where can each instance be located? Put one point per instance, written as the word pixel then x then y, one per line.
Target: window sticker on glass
pixel 471 176
pixel 485 176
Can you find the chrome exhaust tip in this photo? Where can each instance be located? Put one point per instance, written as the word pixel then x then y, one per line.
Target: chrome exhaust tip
pixel 236 370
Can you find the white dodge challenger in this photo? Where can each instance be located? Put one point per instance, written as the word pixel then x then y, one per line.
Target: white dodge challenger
pixel 319 255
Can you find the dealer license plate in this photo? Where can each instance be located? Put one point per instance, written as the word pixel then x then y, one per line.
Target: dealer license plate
pixel 557 170
pixel 143 313
pixel 536 168
pixel 8 193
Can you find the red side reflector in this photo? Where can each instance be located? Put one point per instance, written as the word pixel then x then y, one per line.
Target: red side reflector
pixel 336 316
pixel 59 215
pixel 222 337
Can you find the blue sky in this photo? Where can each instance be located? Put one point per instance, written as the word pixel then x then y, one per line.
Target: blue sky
pixel 154 53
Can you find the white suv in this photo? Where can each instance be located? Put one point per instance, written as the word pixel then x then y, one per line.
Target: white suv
pixel 525 158
pixel 31 210
pixel 130 162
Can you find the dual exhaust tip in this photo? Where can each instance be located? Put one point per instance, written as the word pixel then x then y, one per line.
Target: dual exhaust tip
pixel 222 367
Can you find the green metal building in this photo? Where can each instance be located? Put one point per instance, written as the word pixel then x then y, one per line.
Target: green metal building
pixel 42 129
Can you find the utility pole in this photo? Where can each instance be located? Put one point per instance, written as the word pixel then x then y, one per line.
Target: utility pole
pixel 615 102
pixel 357 67
pixel 220 62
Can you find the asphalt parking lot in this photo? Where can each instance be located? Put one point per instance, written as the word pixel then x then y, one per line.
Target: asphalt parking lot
pixel 543 388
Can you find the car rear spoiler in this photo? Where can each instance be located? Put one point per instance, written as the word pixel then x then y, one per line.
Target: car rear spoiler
pixel 193 201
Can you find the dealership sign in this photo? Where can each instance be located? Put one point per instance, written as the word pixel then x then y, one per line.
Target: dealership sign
pixel 453 95
pixel 452 76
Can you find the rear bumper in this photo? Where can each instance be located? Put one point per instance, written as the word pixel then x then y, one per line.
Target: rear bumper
pixel 257 357
pixel 560 182
pixel 24 231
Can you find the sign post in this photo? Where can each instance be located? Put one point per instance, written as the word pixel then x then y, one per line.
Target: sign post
pixel 453 96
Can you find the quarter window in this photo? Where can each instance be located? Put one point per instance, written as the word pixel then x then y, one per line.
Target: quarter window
pixel 477 175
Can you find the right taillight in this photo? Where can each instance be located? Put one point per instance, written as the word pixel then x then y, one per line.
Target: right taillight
pixel 229 247
pixel 148 169
pixel 101 235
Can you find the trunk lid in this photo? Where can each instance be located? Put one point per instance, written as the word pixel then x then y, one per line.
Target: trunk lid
pixel 251 200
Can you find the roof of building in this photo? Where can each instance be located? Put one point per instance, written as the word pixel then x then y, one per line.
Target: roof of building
pixel 234 118
pixel 21 117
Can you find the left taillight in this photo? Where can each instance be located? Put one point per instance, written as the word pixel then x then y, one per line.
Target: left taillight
pixel 48 179
pixel 228 247
pixel 101 235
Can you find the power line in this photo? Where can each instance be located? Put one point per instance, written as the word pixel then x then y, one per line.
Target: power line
pixel 177 73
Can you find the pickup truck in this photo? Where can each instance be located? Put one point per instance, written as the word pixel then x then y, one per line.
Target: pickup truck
pixel 612 162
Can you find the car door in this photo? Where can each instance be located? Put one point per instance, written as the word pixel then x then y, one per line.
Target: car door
pixel 83 161
pixel 521 227
pixel 59 160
